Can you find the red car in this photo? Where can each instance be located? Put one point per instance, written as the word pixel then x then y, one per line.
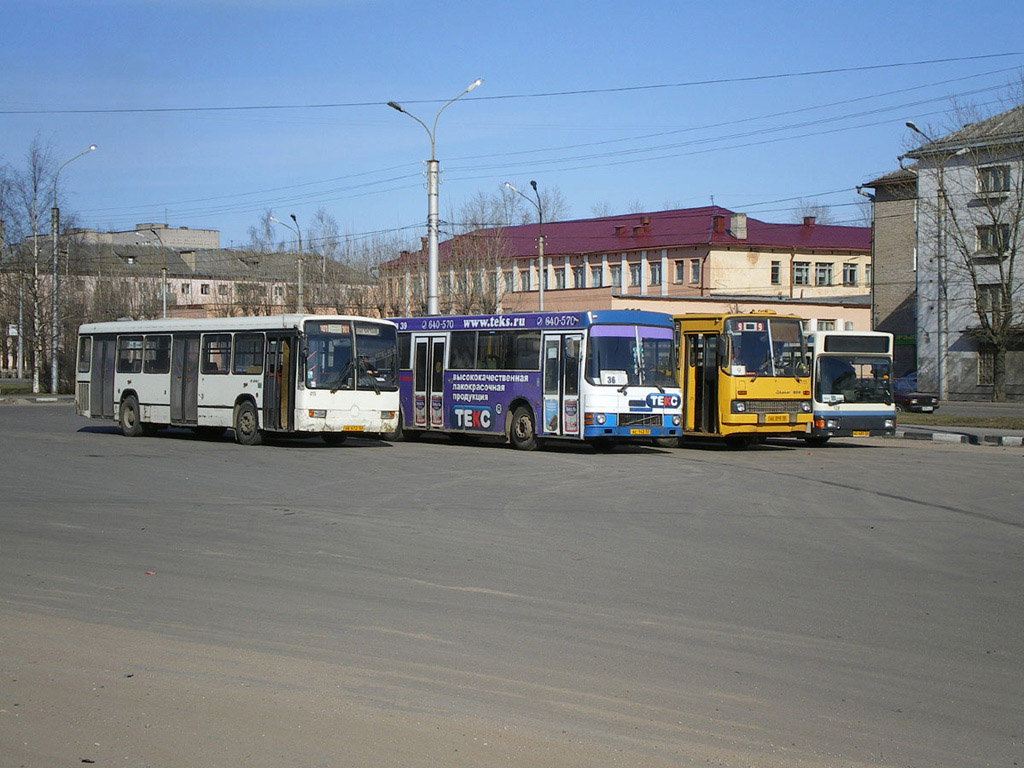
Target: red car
pixel 907 398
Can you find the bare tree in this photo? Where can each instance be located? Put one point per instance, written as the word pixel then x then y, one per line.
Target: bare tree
pixel 263 236
pixel 821 212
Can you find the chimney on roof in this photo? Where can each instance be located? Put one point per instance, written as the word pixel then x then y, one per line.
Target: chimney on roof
pixel 718 224
pixel 189 257
pixel 738 226
pixel 809 221
pixel 620 229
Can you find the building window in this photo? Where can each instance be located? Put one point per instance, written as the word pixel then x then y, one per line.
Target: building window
pixel 823 273
pixel 596 276
pixel 656 273
pixel 994 179
pixel 559 279
pixel 801 273
pixel 205 289
pixel 694 271
pixel 508 278
pixel 680 272
pixel 993 238
pixel 826 325
pixel 991 300
pixel 524 280
pixel 849 274
pixel 186 289
pixel 615 275
pixel 635 277
pixel 222 290
pixel 776 273
pixel 579 277
pixel 278 291
pixel 986 367
pixel 867 274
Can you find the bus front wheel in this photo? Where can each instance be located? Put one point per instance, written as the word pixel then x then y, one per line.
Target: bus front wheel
pixel 128 417
pixel 247 425
pixel 816 440
pixel 523 433
pixel 398 434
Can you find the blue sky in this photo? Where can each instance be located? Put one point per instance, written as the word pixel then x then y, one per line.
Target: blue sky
pixel 754 144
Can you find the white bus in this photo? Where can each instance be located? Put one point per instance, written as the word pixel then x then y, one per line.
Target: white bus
pixel 331 375
pixel 851 373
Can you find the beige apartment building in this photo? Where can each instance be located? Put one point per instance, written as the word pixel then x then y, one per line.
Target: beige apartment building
pixel 697 253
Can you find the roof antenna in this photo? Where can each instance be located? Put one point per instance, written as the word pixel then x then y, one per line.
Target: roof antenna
pixel 712 201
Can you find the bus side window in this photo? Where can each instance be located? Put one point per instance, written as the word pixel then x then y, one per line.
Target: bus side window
pixel 84 354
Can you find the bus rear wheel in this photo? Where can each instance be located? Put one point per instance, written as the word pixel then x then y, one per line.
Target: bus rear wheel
pixel 816 440
pixel 128 417
pixel 247 425
pixel 522 433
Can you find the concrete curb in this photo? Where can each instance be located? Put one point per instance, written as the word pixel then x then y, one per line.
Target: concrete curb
pixel 1011 441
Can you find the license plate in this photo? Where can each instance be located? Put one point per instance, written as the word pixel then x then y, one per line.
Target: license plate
pixel 776 418
pixel 927 409
pixel 861 433
pixel 352 428
pixel 639 431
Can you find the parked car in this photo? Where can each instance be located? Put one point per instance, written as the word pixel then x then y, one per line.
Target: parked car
pixel 907 398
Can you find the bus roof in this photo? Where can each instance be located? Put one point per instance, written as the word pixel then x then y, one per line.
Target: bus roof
pixel 534 320
pixel 207 324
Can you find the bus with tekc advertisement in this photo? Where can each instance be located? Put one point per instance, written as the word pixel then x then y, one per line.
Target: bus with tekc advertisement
pixel 852 392
pixel 331 375
pixel 744 377
pixel 602 377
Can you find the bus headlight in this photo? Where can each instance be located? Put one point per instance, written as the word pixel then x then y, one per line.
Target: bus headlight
pixel 805 406
pixel 831 424
pixel 600 418
pixel 890 423
pixel 738 406
pixel 676 421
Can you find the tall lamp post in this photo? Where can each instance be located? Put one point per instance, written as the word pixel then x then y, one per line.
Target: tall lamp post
pixel 432 174
pixel 298 233
pixel 163 271
pixel 54 320
pixel 541 271
pixel 940 255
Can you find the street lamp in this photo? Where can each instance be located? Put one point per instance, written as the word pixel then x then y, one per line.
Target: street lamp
pixel 940 254
pixel 54 227
pixel 541 268
pixel 432 174
pixel 163 271
pixel 298 234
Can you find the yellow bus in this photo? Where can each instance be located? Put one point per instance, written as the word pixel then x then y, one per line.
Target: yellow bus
pixel 744 376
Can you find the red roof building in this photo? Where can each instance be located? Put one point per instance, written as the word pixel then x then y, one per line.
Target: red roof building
pixel 691 252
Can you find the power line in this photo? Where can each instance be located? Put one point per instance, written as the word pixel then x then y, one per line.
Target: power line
pixel 506 97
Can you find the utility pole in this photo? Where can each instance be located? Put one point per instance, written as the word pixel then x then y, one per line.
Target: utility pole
pixel 541 266
pixel 432 182
pixel 299 309
pixel 54 303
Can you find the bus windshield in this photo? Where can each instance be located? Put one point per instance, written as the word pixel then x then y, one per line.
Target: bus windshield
pixel 632 356
pixel 351 355
pixel 853 379
pixel 766 346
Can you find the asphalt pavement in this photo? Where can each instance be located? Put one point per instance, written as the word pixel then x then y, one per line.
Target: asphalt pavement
pixel 933 432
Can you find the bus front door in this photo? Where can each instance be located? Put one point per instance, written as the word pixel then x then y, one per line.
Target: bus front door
pixel 428 382
pixel 701 383
pixel 101 384
pixel 562 384
pixel 279 383
pixel 185 380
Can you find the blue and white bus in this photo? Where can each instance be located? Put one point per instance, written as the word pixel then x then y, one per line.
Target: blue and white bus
pixel 603 377
pixel 851 373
